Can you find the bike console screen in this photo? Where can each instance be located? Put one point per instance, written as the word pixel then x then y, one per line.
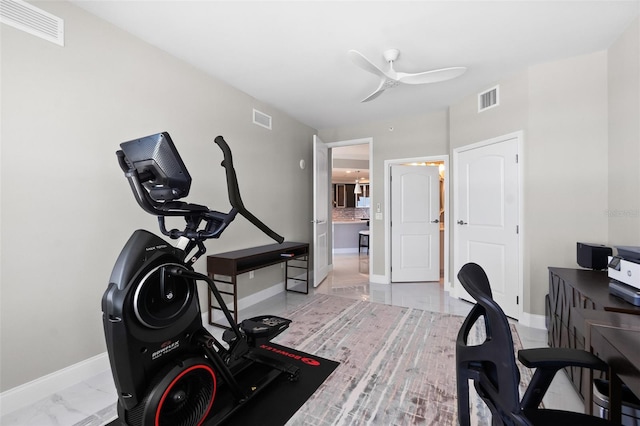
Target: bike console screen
pixel 159 166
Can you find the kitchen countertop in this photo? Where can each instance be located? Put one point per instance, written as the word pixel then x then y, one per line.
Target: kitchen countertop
pixel 349 222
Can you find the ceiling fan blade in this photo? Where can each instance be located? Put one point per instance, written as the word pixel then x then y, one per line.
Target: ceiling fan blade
pixel 376 93
pixel 433 76
pixel 360 60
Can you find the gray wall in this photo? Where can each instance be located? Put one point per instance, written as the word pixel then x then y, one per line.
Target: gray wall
pixel 467 126
pixel 66 207
pixel 565 167
pixel 624 138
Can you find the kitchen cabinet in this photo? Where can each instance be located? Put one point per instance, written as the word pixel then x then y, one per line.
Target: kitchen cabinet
pixel 343 195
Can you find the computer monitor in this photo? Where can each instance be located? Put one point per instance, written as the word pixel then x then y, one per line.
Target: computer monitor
pixel 159 166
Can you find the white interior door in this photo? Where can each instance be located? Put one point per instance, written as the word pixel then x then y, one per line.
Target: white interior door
pixel 486 228
pixel 415 227
pixel 320 210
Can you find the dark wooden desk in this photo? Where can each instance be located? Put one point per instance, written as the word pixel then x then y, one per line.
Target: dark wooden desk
pixel 233 263
pixel 620 348
pixel 577 295
pixel 588 321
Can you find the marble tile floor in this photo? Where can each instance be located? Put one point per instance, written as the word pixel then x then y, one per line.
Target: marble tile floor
pixel 91 402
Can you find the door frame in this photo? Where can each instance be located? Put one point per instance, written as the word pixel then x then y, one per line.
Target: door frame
pixel 387 212
pixel 349 142
pixel 458 291
pixel 320 205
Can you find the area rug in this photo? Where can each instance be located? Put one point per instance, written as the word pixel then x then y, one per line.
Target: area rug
pixel 397 365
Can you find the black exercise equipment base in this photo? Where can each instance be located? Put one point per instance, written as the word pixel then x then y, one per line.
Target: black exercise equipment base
pixel 283 398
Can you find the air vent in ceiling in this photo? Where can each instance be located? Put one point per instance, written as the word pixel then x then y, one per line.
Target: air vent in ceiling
pixel 261 119
pixel 23 16
pixel 489 99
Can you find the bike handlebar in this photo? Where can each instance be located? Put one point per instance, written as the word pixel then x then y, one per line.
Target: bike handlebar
pixel 234 191
pixel 216 221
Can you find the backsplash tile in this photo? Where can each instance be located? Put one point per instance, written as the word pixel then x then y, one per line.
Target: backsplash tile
pixel 348 213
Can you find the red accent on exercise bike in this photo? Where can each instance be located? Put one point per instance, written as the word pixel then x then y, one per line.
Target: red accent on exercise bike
pixel 174 381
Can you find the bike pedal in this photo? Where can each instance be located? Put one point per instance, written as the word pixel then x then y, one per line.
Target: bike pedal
pixel 264 327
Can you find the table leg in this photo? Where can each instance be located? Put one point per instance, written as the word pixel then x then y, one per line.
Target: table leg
pixel 588 398
pixel 615 398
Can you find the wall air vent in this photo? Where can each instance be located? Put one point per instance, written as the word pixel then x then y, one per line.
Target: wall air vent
pixel 23 16
pixel 489 99
pixel 261 119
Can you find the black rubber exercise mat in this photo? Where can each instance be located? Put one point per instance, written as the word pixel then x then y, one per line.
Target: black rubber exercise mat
pixel 280 399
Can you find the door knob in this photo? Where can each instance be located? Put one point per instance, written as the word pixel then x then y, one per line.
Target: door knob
pixel 461 222
pixel 435 221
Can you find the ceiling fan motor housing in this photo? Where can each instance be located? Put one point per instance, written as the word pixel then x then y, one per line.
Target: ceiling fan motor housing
pixel 391 55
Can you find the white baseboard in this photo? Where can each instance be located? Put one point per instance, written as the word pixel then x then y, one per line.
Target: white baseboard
pixel 346 250
pixel 533 321
pixel 379 279
pixel 245 302
pixel 35 390
pixel 260 296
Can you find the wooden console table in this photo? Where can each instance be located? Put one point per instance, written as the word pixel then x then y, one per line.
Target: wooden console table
pixel 578 297
pixel 614 338
pixel 233 263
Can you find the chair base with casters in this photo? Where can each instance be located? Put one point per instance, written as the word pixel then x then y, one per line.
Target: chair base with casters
pixel 492 366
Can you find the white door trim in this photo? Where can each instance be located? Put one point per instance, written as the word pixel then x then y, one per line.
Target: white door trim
pixel 519 136
pixel 387 212
pixel 350 142
pixel 321 211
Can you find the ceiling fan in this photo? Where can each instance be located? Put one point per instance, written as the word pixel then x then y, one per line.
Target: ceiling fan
pixel 392 78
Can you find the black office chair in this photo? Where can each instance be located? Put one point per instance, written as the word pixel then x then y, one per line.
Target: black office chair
pixel 492 365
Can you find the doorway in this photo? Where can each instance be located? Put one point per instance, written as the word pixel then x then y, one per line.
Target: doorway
pixel 350 197
pixel 392 213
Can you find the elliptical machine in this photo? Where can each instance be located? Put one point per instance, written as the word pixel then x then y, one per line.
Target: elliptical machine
pixel 168 369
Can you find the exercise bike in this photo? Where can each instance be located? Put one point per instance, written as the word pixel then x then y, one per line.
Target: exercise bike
pixel 168 369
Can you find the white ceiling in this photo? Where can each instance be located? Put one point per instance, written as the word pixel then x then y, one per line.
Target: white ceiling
pixel 352 152
pixel 292 54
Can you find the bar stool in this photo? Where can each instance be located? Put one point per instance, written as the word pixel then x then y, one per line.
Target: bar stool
pixel 363 240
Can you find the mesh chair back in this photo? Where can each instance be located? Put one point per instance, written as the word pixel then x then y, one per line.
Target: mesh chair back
pixel 491 364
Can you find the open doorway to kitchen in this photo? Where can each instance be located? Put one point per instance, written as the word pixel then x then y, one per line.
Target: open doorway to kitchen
pixel 351 190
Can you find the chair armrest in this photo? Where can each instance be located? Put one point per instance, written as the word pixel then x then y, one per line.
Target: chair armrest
pixel 547 362
pixel 556 358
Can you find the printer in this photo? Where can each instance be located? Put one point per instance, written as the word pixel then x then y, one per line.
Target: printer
pixel 624 274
